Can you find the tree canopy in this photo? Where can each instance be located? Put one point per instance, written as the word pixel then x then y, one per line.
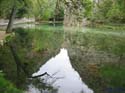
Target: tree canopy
pixel 104 10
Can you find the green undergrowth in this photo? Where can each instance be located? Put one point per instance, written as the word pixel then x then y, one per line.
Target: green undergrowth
pixel 7 87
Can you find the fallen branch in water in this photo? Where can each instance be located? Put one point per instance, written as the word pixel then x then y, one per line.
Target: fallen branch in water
pixel 51 76
pixel 41 75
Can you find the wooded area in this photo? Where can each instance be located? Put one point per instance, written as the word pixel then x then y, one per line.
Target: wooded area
pixel 92 31
pixel 72 11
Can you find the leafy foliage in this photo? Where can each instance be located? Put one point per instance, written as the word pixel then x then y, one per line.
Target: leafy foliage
pixel 110 10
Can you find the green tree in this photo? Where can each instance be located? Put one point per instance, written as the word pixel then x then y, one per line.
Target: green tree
pixel 15 5
pixel 42 9
pixel 109 10
pixel 117 11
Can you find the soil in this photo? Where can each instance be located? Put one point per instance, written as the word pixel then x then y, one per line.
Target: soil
pixel 2 35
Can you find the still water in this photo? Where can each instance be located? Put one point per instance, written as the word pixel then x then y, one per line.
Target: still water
pixel 63 76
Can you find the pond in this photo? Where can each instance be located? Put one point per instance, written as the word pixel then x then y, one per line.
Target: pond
pixel 75 60
pixel 75 69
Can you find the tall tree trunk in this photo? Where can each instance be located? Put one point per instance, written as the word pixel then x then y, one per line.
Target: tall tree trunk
pixel 11 19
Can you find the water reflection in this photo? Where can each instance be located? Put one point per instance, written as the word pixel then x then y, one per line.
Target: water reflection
pixel 33 89
pixel 62 75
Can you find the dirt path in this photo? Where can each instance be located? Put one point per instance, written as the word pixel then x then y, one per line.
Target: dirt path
pixel 2 35
pixel 4 22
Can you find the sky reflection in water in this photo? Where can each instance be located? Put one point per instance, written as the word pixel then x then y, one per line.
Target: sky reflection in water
pixel 64 77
